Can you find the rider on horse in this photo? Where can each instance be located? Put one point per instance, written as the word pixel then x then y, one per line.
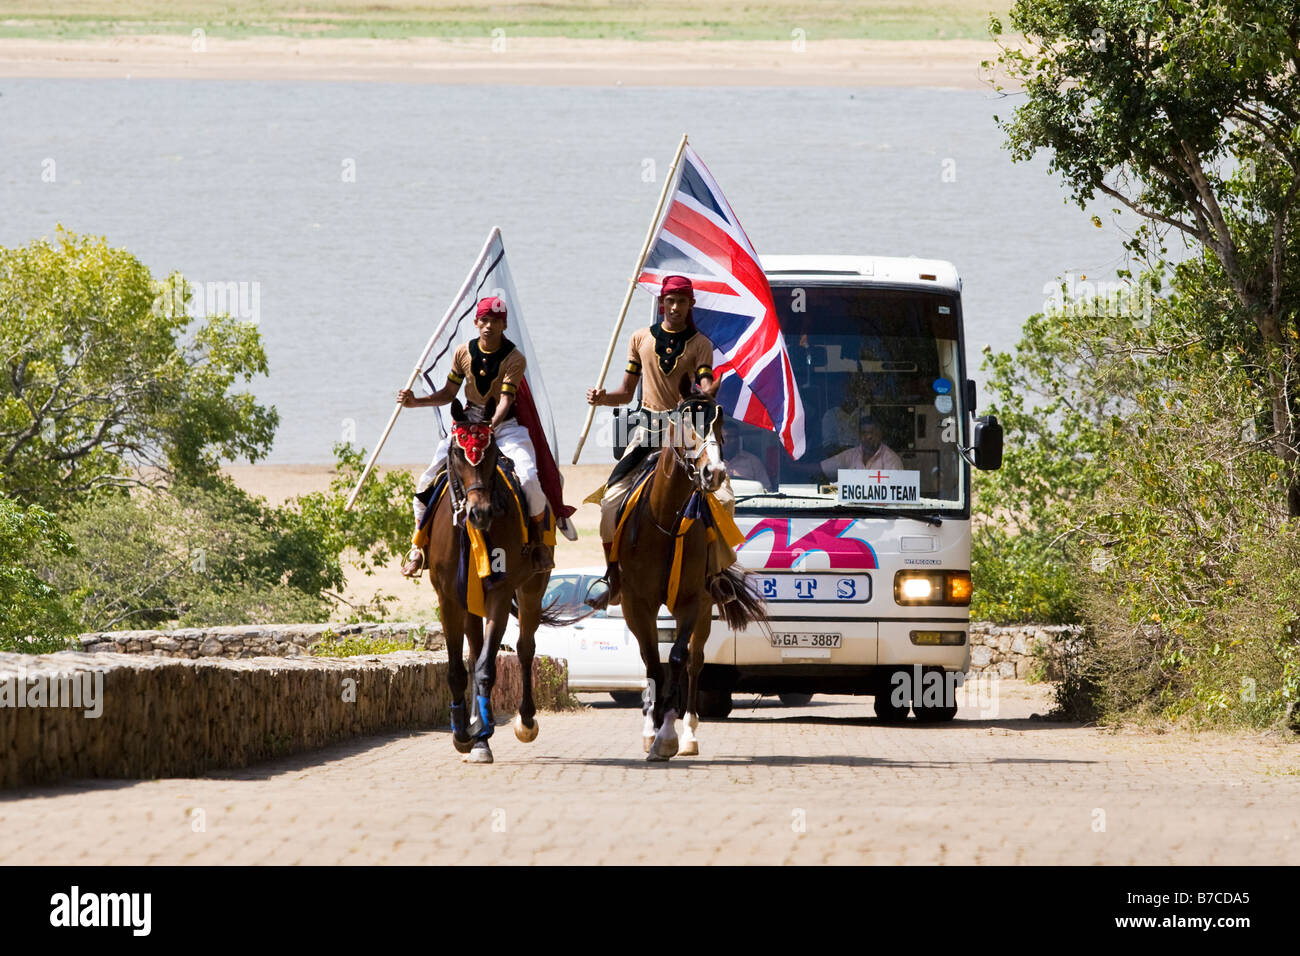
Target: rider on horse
pixel 659 356
pixel 491 367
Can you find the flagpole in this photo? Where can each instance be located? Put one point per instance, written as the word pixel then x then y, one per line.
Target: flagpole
pixel 419 365
pixel 631 287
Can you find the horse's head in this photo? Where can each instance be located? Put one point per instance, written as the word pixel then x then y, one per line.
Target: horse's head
pixel 473 460
pixel 698 444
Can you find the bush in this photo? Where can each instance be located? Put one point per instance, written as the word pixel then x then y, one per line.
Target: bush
pixel 33 616
pixel 192 556
pixel 1148 500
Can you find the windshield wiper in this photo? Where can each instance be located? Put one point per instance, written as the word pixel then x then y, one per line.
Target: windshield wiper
pixel 926 517
pixel 784 495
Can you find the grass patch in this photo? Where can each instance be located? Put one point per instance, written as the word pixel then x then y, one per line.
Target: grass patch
pixel 654 20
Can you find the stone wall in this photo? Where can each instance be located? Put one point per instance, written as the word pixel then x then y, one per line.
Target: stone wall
pixel 254 640
pixel 162 717
pixel 1008 651
pixel 1016 651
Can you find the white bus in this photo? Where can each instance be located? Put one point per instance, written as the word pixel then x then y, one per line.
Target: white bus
pixel 862 551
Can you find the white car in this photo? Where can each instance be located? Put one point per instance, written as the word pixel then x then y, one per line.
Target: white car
pixel 601 651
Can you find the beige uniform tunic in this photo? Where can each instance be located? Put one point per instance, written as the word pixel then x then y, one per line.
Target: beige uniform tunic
pixel 661 358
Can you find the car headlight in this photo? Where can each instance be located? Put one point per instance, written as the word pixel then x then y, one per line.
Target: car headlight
pixel 949 588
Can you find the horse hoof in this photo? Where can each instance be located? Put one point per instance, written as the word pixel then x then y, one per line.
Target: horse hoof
pixel 481 753
pixel 664 749
pixel 690 748
pixel 462 746
pixel 647 743
pixel 653 757
pixel 526 734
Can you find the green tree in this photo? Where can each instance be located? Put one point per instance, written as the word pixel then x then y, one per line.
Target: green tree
pixel 192 556
pixel 105 380
pixel 1188 113
pixel 1146 493
pixel 33 615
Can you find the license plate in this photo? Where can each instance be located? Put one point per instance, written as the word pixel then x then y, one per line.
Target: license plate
pixel 804 639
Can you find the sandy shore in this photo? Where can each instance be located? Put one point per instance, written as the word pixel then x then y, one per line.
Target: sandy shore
pixel 415 599
pixel 522 61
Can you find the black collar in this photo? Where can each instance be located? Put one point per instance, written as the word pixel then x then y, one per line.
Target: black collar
pixel 484 366
pixel 670 345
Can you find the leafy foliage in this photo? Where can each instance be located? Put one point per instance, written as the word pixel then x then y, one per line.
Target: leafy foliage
pixel 1146 483
pixel 102 374
pixel 33 616
pixel 378 528
pixel 1185 111
pixel 193 556
pixel 116 410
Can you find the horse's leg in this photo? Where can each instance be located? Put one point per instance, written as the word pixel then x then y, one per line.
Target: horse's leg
pixel 496 610
pixel 529 595
pixel 666 743
pixel 642 622
pixel 690 745
pixel 453 629
pixel 479 752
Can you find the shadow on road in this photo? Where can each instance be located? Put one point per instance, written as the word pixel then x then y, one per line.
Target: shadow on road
pixel 795 760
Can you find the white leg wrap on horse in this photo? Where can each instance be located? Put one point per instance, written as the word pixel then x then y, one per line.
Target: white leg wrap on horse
pixel 690 744
pixel 648 733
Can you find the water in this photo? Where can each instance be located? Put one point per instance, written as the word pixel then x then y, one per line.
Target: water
pixel 246 182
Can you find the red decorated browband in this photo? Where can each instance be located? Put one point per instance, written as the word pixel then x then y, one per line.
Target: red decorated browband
pixel 473 440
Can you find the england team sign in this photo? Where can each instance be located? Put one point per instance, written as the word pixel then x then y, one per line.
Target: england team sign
pixel 879 486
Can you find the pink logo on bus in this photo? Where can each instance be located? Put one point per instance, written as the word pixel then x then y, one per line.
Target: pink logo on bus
pixel 828 537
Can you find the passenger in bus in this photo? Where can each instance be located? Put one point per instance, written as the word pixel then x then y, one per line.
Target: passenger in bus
pixel 871 453
pixel 741 464
pixel 840 425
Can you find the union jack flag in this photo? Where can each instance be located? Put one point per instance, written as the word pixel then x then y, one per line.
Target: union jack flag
pixel 699 237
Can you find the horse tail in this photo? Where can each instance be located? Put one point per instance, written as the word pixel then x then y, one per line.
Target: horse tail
pixel 736 595
pixel 551 617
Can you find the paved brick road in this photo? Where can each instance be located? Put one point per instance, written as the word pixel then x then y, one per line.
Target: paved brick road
pixel 1007 790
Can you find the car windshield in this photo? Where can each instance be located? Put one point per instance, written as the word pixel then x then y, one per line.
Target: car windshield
pixel 569 592
pixel 878 373
pixel 562 591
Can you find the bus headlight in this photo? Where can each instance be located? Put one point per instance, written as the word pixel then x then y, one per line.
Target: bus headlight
pixel 951 588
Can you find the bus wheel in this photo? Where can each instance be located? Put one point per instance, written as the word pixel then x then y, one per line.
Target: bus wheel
pixel 715 704
pixel 934 715
pixel 626 698
pixel 887 712
pixel 794 699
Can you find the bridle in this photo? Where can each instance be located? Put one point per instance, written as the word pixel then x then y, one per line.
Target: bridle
pixel 474 440
pixel 690 460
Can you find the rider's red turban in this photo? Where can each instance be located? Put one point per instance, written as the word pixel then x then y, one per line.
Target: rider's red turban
pixel 677 284
pixel 491 304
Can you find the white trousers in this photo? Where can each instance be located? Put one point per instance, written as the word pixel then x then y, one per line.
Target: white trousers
pixel 512 438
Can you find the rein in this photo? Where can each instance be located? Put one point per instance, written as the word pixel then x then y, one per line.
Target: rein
pixel 689 464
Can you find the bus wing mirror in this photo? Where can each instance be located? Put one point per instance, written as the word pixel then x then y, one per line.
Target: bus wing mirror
pixel 988 443
pixel 970 396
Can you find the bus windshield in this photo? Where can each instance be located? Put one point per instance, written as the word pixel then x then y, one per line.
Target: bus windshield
pixel 879 375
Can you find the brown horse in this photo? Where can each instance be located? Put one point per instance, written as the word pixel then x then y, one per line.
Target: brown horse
pixel 668 511
pixel 477 489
